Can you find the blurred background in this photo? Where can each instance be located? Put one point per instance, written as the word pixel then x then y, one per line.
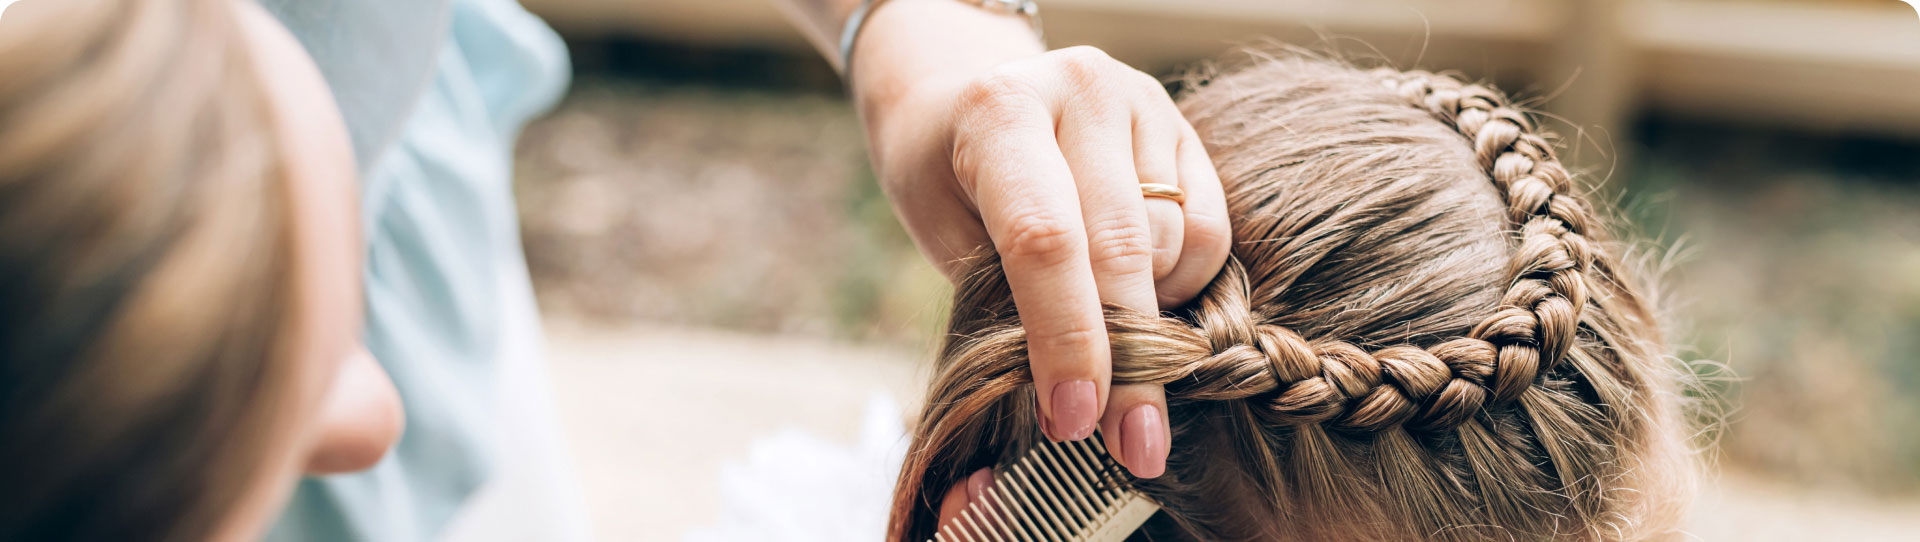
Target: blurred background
pixel 699 215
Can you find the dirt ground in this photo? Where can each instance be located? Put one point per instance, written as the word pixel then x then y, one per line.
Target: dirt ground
pixel 655 412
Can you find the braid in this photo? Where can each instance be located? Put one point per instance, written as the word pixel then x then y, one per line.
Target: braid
pixel 1529 420
pixel 1432 388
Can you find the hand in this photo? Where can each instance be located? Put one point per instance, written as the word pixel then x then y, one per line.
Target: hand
pixel 1042 157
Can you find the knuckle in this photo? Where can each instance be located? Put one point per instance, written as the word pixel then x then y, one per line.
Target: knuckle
pixel 1123 243
pixel 1040 239
pixel 997 91
pixel 1074 338
pixel 990 105
pixel 1084 66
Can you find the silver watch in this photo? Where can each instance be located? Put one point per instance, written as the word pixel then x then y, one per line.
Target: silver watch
pixel 858 19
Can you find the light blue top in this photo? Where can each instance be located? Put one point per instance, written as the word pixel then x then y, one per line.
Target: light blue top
pixel 435 93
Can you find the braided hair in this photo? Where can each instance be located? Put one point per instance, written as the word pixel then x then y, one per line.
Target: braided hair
pixel 1423 333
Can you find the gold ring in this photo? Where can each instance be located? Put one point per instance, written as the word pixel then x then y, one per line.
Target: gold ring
pixel 1157 190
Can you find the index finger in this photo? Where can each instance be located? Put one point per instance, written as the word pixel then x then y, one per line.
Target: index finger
pixel 1007 157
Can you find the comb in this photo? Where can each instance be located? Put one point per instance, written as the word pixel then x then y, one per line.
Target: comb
pixel 1057 492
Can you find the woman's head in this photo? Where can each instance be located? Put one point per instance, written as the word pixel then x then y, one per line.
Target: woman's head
pixel 179 273
pixel 1424 333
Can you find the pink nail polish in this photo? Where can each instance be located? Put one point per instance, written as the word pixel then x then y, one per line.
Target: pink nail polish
pixel 1143 439
pixel 1075 410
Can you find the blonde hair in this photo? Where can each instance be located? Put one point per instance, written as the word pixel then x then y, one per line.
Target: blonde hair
pixel 145 270
pixel 1423 333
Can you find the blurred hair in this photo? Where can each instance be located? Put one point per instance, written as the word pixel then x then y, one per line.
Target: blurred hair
pixel 144 269
pixel 1423 334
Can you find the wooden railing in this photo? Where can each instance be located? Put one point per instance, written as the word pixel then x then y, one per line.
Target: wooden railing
pixel 1844 65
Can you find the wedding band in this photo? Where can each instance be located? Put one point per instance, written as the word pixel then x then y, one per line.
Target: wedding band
pixel 1157 190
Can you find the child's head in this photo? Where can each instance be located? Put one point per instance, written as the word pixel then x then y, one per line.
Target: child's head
pixel 179 273
pixel 1424 333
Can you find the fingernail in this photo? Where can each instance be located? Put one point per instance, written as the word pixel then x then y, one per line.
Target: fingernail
pixel 1075 410
pixel 977 485
pixel 1143 440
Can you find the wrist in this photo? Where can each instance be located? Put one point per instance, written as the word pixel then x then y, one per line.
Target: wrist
pixel 915 47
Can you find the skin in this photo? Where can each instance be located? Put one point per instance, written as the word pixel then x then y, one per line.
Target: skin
pixel 346 414
pixel 982 138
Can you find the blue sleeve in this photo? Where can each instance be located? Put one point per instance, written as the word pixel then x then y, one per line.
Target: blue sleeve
pixel 378 57
pixel 435 93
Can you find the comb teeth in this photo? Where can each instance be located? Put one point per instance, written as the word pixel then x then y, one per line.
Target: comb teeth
pixel 1058 492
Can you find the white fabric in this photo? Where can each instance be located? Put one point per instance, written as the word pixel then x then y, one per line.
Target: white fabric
pixel 796 486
